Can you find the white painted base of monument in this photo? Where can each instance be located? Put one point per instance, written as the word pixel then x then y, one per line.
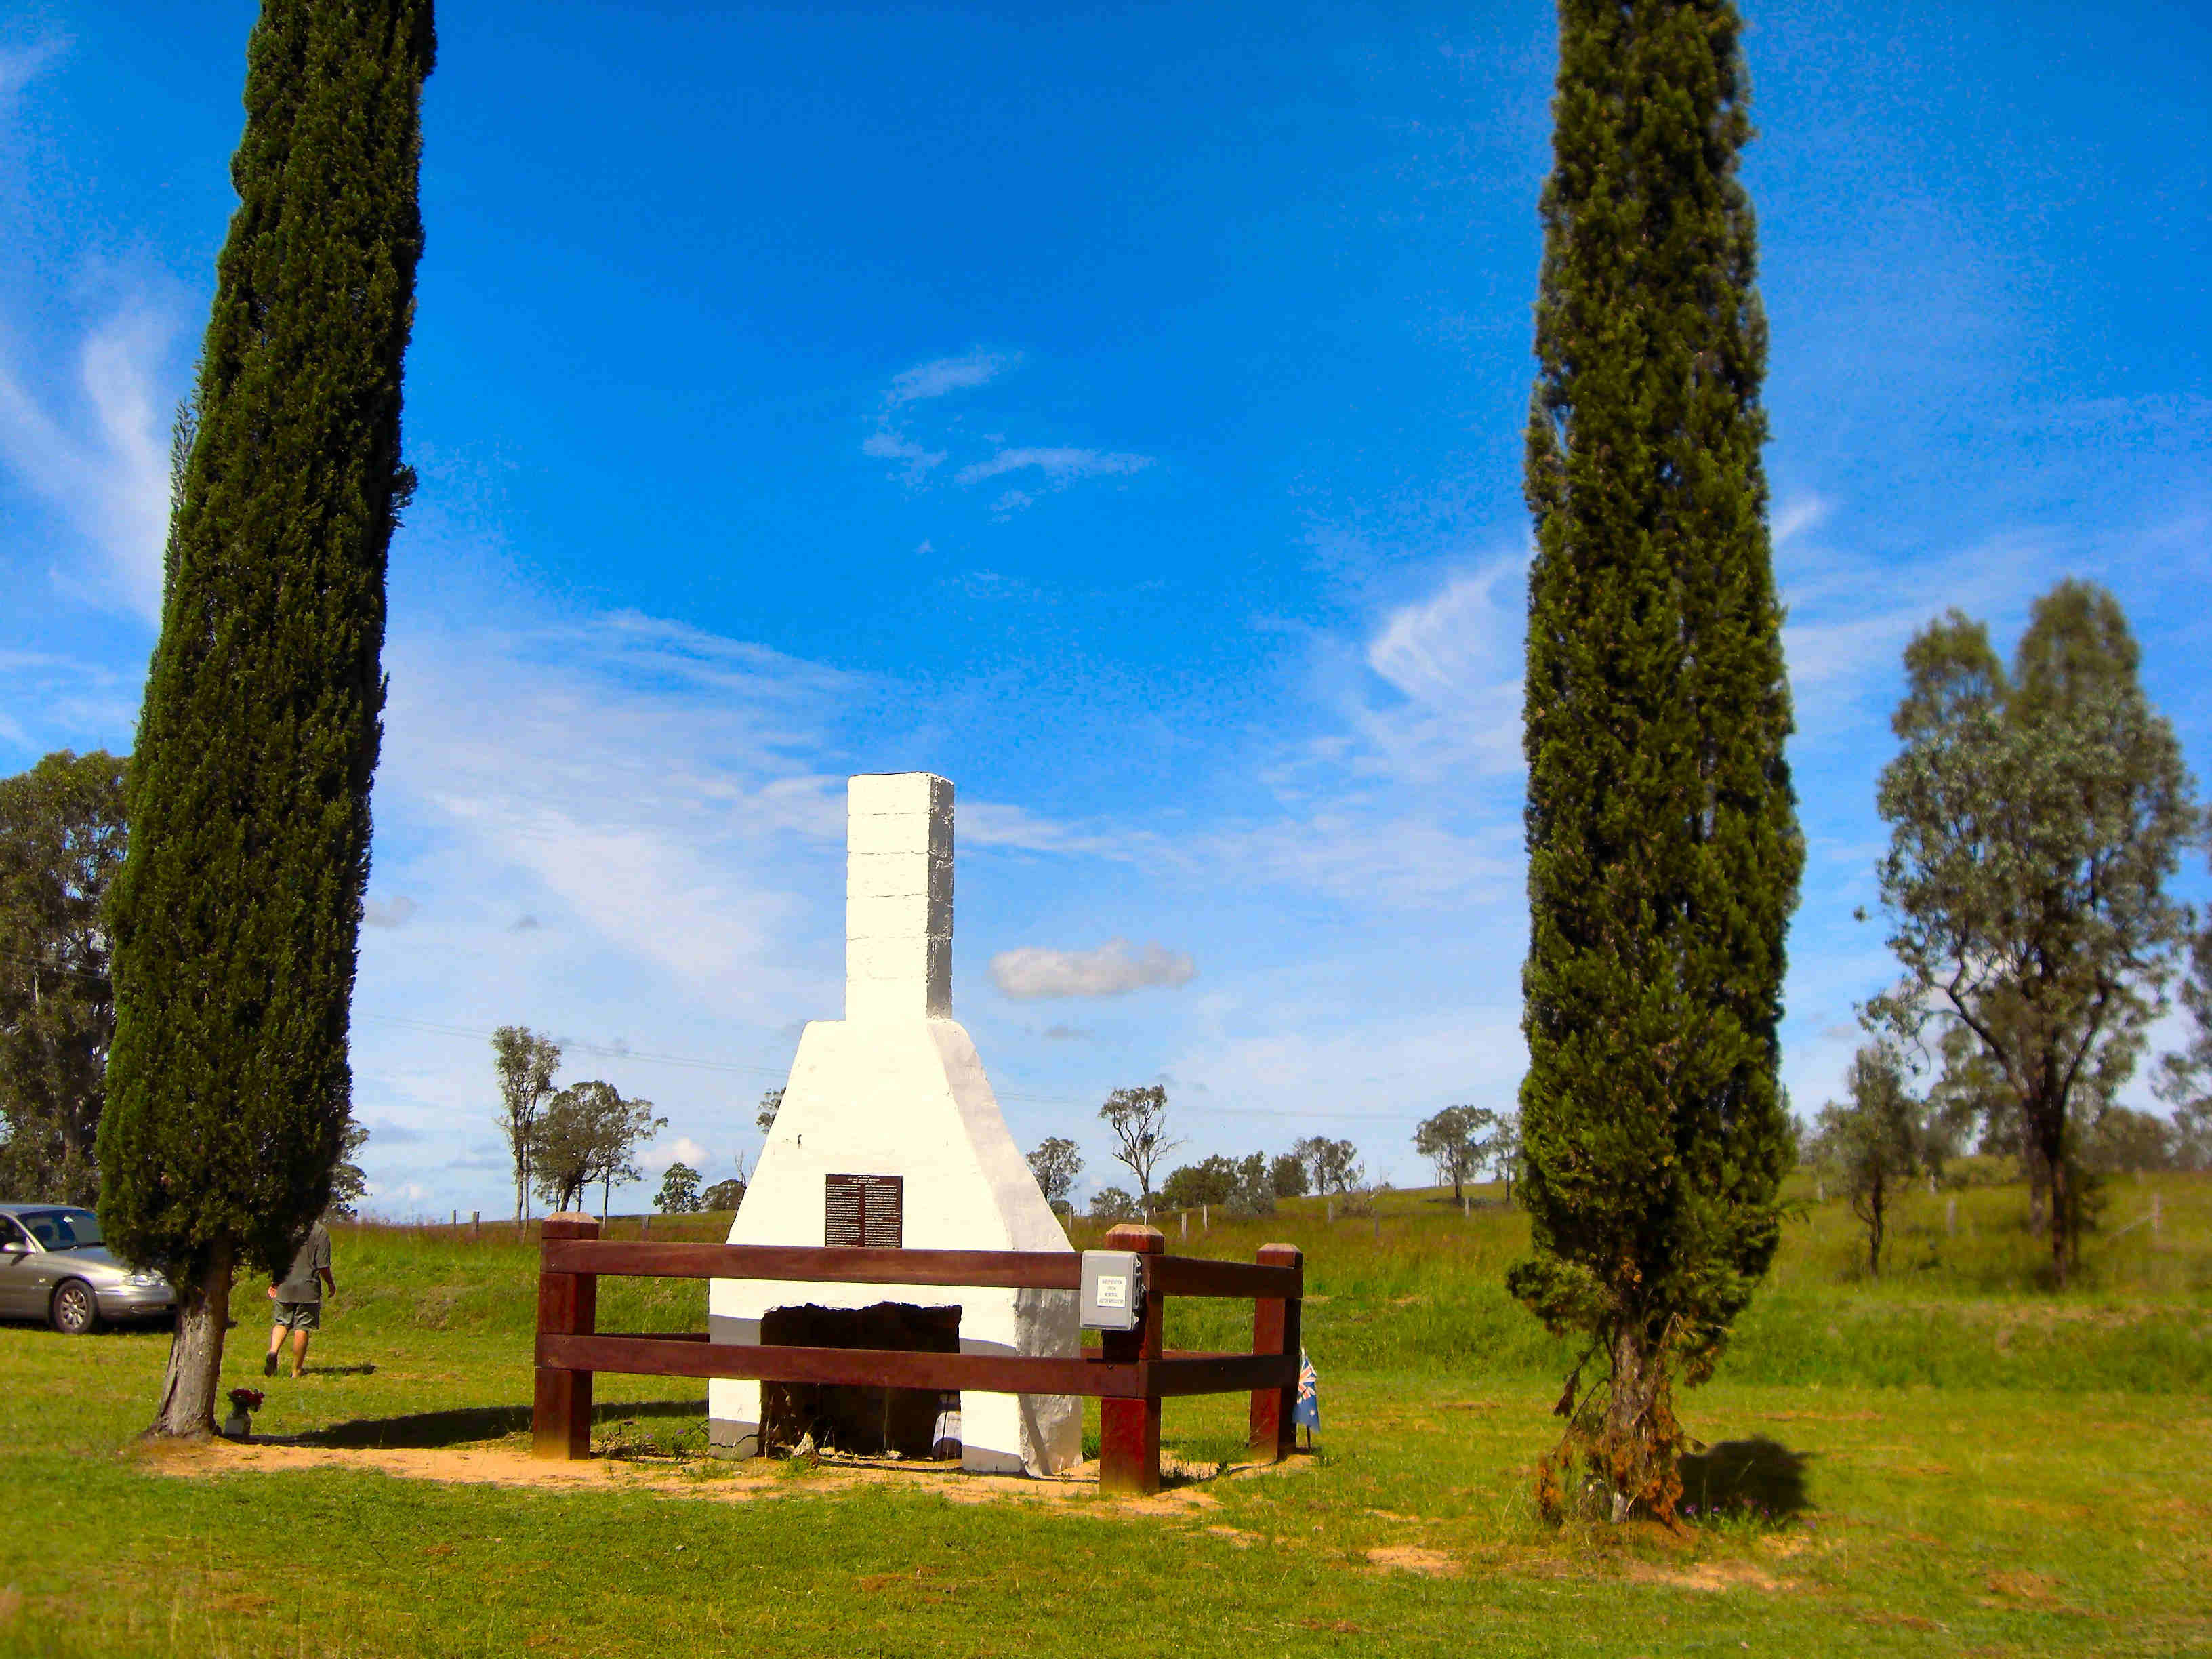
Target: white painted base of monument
pixel 910 1100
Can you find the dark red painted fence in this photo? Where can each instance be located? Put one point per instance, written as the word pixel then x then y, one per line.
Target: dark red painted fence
pixel 1129 1374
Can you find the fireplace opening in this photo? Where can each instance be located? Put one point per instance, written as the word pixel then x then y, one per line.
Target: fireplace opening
pixel 865 1421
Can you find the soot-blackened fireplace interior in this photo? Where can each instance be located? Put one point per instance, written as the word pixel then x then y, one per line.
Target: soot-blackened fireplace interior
pixel 864 1420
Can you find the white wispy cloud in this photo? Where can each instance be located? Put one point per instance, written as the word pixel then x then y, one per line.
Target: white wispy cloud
pixel 942 375
pixel 1111 970
pixel 1061 467
pixel 1795 516
pixel 994 824
pixel 21 65
pixel 389 912
pixel 915 458
pixel 1371 853
pixel 48 701
pixel 923 383
pixel 101 456
pixel 1850 615
pixel 635 776
pixel 1454 661
pixel 916 461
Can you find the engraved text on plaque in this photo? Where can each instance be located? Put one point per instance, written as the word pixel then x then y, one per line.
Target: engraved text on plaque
pixel 864 1210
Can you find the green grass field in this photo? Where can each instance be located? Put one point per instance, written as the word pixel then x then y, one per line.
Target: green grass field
pixel 1988 1469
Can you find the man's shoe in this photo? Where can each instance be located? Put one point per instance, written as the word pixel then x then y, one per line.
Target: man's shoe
pixel 268 1366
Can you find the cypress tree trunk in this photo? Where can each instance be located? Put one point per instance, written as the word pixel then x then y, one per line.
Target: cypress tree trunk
pixel 237 913
pixel 194 1373
pixel 1663 852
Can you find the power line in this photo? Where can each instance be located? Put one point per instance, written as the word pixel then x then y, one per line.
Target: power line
pixel 605 1050
pixel 696 1063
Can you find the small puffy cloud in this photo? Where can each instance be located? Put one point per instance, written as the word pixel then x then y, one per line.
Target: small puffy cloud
pixel 389 912
pixel 1108 971
pixel 655 1159
pixel 945 375
pixel 1060 466
pixel 1068 1034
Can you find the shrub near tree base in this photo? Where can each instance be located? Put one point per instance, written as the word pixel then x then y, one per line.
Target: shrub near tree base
pixel 1663 852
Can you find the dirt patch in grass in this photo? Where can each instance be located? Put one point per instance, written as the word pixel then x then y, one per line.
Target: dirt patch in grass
pixel 726 1482
pixel 1702 1576
pixel 1411 1557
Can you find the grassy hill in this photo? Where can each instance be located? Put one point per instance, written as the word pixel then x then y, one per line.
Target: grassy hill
pixel 1418 1287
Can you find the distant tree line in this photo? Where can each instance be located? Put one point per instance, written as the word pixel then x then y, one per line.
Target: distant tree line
pixel 1461 1141
pixel 681 1194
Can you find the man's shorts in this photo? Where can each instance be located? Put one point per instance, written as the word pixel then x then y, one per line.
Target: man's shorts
pixel 299 1315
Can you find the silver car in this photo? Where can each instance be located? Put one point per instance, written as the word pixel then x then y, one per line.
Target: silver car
pixel 53 1266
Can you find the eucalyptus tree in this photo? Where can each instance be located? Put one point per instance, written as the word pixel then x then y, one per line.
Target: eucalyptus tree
pixel 525 1063
pixel 1056 1162
pixel 2036 818
pixel 1137 1119
pixel 62 839
pixel 1875 1142
pixel 1457 1141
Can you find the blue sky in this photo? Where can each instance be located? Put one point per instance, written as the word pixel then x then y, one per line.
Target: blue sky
pixel 1117 410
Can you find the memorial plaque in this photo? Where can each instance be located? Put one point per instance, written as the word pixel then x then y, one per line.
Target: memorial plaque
pixel 869 1211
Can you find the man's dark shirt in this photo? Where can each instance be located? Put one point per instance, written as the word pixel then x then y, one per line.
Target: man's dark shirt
pixel 300 1285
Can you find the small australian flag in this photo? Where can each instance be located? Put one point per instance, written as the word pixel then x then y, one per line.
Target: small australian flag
pixel 1306 1414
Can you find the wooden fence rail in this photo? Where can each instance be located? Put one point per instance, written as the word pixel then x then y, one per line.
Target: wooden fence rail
pixel 1129 1374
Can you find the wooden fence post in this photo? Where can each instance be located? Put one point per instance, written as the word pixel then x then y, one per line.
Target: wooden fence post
pixel 1129 1429
pixel 568 1305
pixel 1275 1322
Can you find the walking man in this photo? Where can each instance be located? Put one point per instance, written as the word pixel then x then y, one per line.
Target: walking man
pixel 299 1300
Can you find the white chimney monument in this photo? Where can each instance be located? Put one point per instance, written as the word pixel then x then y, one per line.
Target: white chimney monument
pixel 889 1133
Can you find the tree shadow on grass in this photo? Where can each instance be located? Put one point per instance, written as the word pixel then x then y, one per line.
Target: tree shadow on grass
pixel 473 1422
pixel 1758 1478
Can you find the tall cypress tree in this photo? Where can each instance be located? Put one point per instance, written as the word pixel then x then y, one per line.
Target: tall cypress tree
pixel 1663 852
pixel 237 913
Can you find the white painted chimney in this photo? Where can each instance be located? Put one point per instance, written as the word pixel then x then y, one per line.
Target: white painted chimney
pixel 895 1090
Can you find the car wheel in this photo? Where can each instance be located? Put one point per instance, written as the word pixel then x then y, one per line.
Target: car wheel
pixel 75 1310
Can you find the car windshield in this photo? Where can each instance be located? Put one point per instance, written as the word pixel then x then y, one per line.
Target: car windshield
pixel 62 1230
